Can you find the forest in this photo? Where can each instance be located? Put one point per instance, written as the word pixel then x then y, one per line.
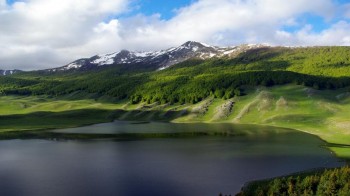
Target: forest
pixel 195 79
pixel 327 182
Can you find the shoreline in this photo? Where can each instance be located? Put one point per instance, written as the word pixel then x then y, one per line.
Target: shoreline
pixel 47 133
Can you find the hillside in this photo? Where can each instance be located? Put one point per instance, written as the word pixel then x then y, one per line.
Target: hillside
pixel 320 112
pixel 195 79
pixel 300 88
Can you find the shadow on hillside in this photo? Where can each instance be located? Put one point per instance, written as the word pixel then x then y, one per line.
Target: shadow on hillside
pixel 314 85
pixel 73 118
pixel 333 65
pixel 261 59
pixel 258 54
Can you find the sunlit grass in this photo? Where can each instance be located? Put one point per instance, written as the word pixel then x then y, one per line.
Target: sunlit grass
pixel 323 113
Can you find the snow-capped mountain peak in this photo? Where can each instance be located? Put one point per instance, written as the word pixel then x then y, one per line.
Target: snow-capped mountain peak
pixel 194 46
pixel 157 60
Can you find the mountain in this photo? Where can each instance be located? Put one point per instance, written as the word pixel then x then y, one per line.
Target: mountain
pixel 192 80
pixel 156 60
pixel 8 72
pixel 307 88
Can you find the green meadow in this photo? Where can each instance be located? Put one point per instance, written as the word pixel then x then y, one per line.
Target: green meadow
pixel 324 113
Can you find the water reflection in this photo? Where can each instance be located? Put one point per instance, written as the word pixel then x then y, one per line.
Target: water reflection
pixel 180 166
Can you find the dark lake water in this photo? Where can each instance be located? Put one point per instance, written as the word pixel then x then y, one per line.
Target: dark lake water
pixel 205 165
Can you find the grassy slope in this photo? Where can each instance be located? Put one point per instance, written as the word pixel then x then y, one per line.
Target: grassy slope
pixel 194 80
pixel 323 113
pixel 42 112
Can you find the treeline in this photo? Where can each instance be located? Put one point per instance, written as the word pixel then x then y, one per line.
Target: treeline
pixel 328 182
pixel 185 89
pixel 171 89
pixel 10 85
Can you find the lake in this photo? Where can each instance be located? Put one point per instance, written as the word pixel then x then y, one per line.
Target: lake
pixel 201 165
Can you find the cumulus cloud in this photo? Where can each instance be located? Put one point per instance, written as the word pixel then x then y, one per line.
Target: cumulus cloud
pixel 34 32
pixel 225 22
pixel 338 34
pixel 47 33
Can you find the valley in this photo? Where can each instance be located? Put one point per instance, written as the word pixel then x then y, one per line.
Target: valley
pixel 175 98
pixel 189 92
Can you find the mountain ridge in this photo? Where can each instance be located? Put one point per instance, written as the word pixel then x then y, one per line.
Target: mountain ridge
pixel 157 60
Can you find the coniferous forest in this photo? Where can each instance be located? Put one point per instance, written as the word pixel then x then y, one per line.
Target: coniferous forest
pixel 327 182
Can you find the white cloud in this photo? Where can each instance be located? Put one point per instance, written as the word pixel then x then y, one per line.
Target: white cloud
pixel 337 34
pixel 222 22
pixel 31 29
pixel 49 33
pixel 2 4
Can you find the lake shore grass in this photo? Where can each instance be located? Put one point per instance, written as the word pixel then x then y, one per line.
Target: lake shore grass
pixel 321 113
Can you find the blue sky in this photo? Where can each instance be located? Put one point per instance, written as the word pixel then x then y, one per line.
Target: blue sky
pixel 166 8
pixel 38 34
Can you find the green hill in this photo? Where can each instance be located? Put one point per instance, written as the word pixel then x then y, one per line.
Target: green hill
pixel 300 88
pixel 194 80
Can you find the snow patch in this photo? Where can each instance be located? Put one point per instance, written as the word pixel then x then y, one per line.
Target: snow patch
pixel 162 68
pixel 72 66
pixel 143 54
pixel 229 51
pixel 106 59
pixel 206 45
pixel 211 55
